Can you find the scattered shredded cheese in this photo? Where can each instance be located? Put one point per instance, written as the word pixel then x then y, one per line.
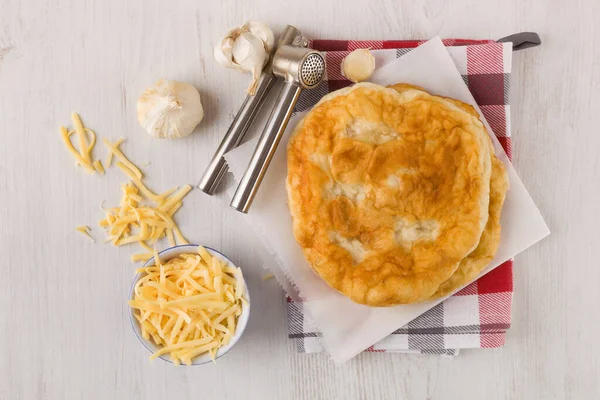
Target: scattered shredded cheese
pixel 83 155
pixel 138 182
pixel 142 215
pixel 83 149
pixel 86 231
pixel 78 157
pixel 185 307
pixel 134 222
pixel 110 153
pixel 266 277
pixel 141 257
pixel 175 197
pixel 114 149
pixel 98 167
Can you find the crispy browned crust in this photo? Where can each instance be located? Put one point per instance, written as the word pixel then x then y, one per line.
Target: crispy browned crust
pixel 388 191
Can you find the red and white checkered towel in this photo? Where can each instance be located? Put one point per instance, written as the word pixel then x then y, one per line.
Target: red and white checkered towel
pixel 478 315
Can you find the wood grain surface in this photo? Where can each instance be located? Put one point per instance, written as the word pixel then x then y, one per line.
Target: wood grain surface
pixel 64 326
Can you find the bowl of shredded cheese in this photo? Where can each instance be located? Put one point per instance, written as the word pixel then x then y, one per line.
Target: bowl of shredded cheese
pixel 189 305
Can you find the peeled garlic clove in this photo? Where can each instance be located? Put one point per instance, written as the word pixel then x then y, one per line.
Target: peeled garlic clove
pixel 247 49
pixel 358 65
pixel 170 109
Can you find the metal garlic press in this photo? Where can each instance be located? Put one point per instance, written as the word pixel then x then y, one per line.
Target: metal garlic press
pixel 300 68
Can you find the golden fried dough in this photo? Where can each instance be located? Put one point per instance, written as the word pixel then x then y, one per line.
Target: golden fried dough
pixel 475 262
pixel 388 191
pixel 404 87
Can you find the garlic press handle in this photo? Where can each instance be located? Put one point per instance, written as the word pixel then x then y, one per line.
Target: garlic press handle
pixel 235 134
pixel 265 149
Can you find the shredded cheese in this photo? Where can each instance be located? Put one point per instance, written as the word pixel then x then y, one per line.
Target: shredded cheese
pixel 138 182
pixel 175 197
pixel 171 237
pixel 86 140
pixel 133 222
pixel 114 149
pixel 266 277
pixel 141 257
pixel 83 148
pixel 86 231
pixel 179 236
pixel 181 312
pixel 78 157
pixel 98 167
pixel 142 215
pixel 110 153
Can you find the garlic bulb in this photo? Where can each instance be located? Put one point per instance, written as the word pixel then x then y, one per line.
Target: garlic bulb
pixel 358 65
pixel 170 109
pixel 247 49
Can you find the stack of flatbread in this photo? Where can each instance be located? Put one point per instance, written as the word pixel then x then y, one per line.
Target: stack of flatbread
pixel 395 193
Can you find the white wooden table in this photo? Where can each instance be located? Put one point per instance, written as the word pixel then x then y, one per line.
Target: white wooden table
pixel 64 327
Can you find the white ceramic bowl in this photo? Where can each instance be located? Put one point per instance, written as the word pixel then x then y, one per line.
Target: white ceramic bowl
pixel 166 255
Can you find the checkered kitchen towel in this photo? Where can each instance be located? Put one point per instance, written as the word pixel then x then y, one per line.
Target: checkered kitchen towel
pixel 478 315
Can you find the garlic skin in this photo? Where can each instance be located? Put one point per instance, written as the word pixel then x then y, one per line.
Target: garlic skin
pixel 358 65
pixel 246 48
pixel 170 109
